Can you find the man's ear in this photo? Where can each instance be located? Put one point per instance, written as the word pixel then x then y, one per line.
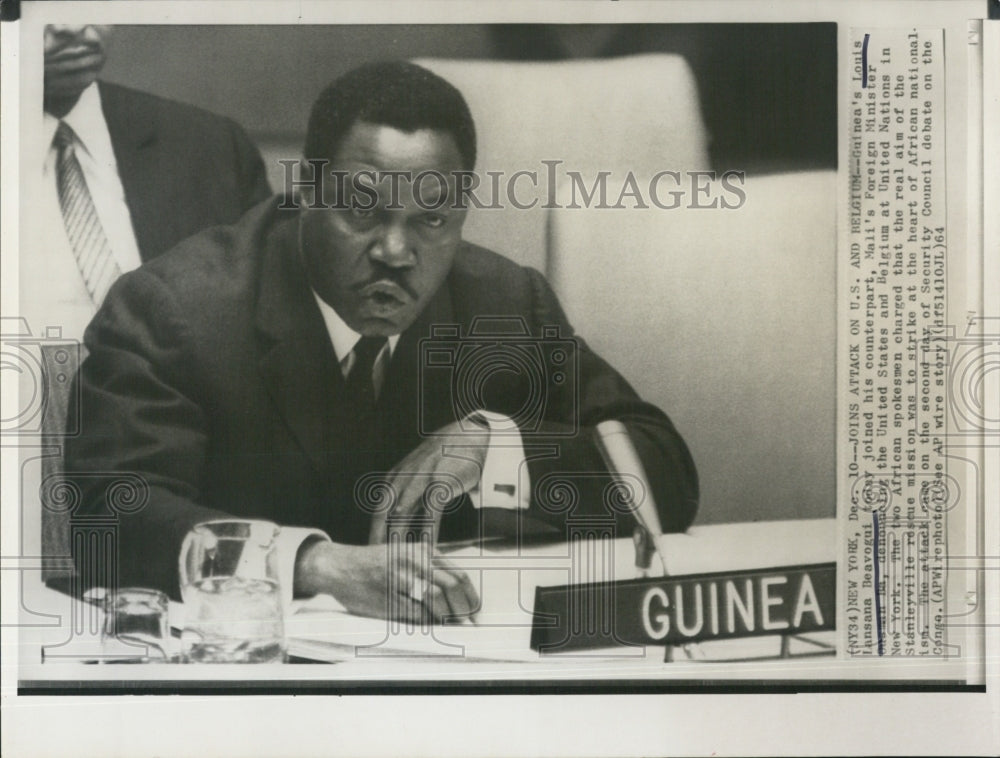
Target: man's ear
pixel 309 183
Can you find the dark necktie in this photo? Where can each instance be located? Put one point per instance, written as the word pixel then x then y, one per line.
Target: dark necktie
pixel 359 385
pixel 362 448
pixel 83 227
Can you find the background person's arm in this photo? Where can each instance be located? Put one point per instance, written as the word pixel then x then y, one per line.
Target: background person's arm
pixel 250 167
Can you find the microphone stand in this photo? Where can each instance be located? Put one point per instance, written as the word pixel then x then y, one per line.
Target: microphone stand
pixel 645 546
pixel 621 458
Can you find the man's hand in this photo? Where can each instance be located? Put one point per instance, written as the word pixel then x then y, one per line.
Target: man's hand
pixel 370 581
pixel 441 469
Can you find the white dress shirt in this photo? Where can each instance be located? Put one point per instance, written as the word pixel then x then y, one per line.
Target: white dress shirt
pixel 53 292
pixel 343 339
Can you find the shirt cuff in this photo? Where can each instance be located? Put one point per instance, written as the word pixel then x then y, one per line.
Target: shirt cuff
pixel 290 539
pixel 505 482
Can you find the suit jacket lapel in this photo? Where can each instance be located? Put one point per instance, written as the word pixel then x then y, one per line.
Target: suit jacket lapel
pixel 134 138
pixel 416 400
pixel 297 362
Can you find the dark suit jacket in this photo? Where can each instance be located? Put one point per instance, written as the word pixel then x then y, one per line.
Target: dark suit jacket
pixel 212 376
pixel 183 169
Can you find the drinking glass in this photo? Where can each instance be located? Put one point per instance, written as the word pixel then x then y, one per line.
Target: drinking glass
pixel 231 591
pixel 135 626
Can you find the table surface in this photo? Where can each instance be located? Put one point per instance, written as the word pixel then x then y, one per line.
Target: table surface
pixel 497 647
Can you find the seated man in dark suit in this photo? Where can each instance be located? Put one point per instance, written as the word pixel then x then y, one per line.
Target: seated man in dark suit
pixel 123 177
pixel 283 367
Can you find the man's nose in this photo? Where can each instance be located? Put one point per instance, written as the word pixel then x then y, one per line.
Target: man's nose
pixel 393 247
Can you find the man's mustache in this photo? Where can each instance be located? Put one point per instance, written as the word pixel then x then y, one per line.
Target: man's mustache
pixel 387 283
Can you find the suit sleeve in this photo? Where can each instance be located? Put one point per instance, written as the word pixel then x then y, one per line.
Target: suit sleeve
pixel 140 423
pixel 598 394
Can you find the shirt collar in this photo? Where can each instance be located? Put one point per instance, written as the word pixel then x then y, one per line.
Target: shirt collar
pixel 86 118
pixel 341 335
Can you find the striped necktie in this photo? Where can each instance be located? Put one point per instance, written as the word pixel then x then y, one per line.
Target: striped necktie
pixel 83 227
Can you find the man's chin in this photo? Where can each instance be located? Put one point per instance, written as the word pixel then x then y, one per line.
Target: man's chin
pixel 382 326
pixel 69 85
pixel 374 328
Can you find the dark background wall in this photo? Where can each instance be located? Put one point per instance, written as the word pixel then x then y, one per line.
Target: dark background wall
pixel 768 91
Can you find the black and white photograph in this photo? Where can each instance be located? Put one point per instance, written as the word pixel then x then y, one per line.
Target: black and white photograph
pixel 534 355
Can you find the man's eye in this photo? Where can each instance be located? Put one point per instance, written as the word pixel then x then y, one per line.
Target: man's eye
pixel 433 222
pixel 362 212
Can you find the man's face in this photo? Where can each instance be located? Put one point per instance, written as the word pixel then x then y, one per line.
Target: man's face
pixel 74 56
pixel 379 267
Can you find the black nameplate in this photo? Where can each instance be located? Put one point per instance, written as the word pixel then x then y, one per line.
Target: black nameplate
pixel 680 609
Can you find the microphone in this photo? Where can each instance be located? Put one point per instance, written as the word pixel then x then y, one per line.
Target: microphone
pixel 622 460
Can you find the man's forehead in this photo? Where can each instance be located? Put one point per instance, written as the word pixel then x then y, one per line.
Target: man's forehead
pixel 385 148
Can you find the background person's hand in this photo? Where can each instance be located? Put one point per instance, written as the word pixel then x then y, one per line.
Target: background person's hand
pixel 369 580
pixel 441 469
